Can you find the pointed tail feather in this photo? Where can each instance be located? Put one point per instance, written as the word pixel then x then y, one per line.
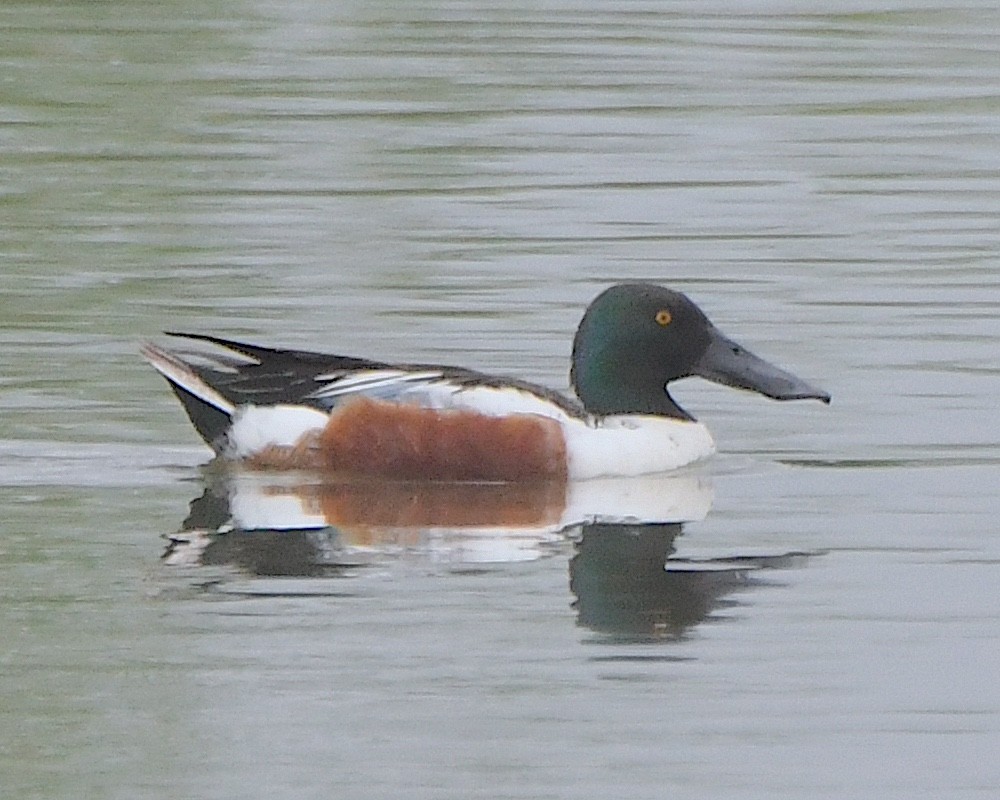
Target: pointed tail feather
pixel 209 411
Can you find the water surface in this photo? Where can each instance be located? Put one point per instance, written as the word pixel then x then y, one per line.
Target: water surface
pixel 454 182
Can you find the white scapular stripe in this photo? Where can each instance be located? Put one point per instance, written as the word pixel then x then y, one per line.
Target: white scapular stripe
pixel 371 382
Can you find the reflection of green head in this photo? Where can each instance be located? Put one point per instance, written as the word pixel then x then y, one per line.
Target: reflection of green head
pixel 633 340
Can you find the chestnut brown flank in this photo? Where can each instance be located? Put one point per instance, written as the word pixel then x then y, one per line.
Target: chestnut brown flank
pixel 375 437
pixel 394 440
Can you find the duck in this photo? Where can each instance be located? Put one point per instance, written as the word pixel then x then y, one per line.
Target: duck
pixel 281 409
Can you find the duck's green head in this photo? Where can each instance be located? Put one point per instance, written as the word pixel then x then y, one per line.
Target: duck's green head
pixel 637 337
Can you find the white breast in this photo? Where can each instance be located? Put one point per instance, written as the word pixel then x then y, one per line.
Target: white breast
pixel 633 445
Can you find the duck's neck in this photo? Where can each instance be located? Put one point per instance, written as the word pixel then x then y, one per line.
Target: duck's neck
pixel 621 388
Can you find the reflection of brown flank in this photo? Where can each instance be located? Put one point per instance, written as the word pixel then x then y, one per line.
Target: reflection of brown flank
pixel 394 440
pixel 437 505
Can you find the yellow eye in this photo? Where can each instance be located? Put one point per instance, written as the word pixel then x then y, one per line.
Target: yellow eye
pixel 663 317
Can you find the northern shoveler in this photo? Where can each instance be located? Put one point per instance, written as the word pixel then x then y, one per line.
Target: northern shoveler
pixel 297 409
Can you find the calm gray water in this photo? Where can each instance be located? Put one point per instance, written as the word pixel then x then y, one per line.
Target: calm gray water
pixel 454 181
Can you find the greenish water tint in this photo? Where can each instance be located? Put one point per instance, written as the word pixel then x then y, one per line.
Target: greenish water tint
pixel 450 181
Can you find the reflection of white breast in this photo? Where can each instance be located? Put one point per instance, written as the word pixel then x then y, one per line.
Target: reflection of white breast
pixel 684 496
pixel 634 445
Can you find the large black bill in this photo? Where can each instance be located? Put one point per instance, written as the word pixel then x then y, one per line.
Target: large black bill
pixel 728 363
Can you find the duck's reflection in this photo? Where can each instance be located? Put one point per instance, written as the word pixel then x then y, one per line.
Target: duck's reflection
pixel 255 522
pixel 624 575
pixel 628 585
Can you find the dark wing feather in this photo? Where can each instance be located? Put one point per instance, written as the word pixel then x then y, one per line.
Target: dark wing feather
pixel 268 375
